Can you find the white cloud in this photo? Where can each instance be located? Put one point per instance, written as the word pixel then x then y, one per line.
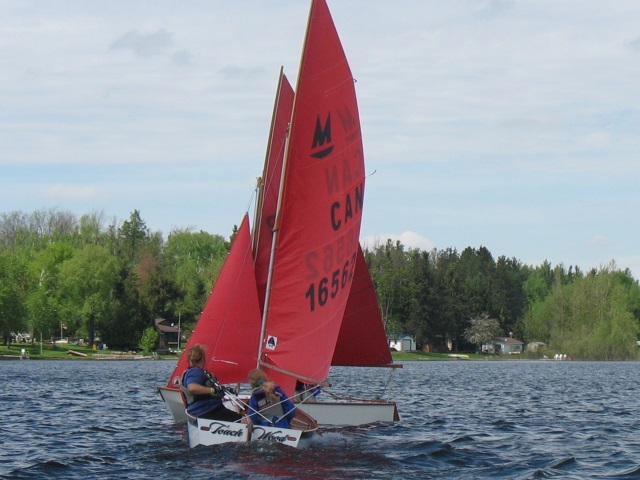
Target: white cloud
pixel 409 239
pixel 144 44
pixel 497 122
pixel 61 192
pixel 597 242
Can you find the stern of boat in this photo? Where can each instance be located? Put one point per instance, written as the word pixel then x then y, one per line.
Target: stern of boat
pixel 203 431
pixel 172 398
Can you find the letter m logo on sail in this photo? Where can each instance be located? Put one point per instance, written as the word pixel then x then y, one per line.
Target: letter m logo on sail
pixel 322 136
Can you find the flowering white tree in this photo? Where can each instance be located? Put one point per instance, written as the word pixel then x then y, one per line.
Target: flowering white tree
pixel 482 329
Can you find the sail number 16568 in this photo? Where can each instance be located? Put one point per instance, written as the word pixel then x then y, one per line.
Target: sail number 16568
pixel 328 287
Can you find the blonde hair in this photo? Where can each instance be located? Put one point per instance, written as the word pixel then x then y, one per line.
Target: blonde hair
pixel 196 354
pixel 256 377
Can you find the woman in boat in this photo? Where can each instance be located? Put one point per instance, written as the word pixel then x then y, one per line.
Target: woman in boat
pixel 269 405
pixel 307 393
pixel 202 390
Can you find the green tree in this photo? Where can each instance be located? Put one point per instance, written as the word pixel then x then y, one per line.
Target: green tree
pixel 193 262
pixel 91 230
pixel 590 317
pixel 132 236
pixel 14 285
pixel 141 284
pixel 448 296
pixel 44 298
pixel 149 341
pixel 87 283
pixel 508 298
pixel 422 304
pixel 388 267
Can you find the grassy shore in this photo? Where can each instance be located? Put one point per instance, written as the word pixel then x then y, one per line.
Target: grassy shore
pixel 405 356
pixel 61 352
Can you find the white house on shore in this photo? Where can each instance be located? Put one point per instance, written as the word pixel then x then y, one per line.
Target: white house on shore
pixel 504 346
pixel 402 342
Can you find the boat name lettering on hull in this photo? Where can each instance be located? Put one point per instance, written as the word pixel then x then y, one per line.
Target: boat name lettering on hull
pixel 278 436
pixel 225 430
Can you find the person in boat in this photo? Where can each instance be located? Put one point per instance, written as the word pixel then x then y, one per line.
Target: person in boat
pixel 306 392
pixel 269 405
pixel 202 391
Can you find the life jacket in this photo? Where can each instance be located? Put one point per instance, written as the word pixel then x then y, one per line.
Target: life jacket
pixel 272 411
pixel 211 382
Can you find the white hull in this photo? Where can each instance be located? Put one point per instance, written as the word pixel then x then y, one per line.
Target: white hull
pixel 203 431
pixel 173 401
pixel 214 432
pixel 352 413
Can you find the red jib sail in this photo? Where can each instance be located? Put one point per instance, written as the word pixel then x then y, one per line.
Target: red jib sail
pixel 229 326
pixel 319 211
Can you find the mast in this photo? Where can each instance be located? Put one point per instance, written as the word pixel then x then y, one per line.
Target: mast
pixel 276 226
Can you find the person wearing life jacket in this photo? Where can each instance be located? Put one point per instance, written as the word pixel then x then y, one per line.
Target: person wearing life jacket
pixel 306 392
pixel 202 391
pixel 269 405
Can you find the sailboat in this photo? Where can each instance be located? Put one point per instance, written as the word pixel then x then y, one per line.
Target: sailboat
pixel 302 293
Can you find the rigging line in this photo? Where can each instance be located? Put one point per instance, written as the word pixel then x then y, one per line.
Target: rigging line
pixel 248 407
pixel 302 398
pixel 384 388
pixel 333 395
pixel 235 399
pixel 254 195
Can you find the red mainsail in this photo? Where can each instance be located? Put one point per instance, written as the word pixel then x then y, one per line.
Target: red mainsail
pixel 268 199
pixel 319 211
pixel 362 314
pixel 229 326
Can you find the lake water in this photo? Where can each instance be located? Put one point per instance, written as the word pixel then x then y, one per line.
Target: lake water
pixel 460 420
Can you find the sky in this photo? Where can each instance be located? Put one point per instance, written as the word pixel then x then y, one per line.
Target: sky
pixel 513 125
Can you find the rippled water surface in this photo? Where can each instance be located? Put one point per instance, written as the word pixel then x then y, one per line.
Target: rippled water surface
pixel 460 420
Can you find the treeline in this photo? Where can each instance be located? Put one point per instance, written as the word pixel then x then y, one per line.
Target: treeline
pixel 443 296
pixel 94 277
pixel 114 278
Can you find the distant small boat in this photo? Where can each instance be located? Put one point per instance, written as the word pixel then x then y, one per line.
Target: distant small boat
pixel 458 356
pixel 75 353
